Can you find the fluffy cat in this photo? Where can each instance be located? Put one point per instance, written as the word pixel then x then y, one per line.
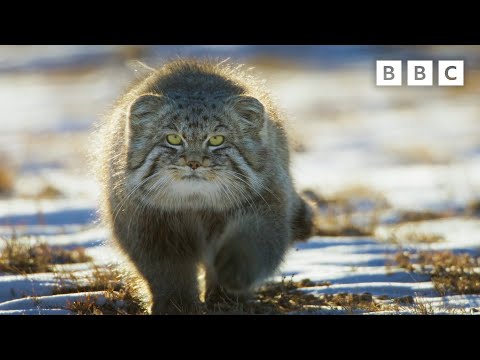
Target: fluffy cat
pixel 194 167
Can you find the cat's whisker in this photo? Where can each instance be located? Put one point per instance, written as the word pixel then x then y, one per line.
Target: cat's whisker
pixel 250 186
pixel 118 208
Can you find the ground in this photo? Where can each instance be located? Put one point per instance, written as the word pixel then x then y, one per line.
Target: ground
pixel 394 174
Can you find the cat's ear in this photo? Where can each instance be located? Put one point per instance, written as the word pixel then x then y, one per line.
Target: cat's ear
pixel 142 122
pixel 250 110
pixel 145 107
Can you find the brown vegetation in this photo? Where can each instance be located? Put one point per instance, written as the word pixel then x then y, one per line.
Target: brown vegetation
pixel 450 273
pixel 18 257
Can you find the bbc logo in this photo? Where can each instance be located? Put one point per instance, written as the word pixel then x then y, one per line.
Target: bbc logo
pixel 420 73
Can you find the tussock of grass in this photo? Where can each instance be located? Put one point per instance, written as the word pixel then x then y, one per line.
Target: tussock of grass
pixel 23 258
pixel 473 208
pixel 6 181
pixel 86 306
pixel 46 192
pixel 49 192
pixel 285 297
pixel 403 260
pixel 117 299
pixel 420 154
pixel 414 216
pixel 112 302
pixel 415 238
pixel 99 279
pixel 404 300
pixel 450 273
pixel 453 273
pixel 337 228
pixel 422 308
pixel 352 303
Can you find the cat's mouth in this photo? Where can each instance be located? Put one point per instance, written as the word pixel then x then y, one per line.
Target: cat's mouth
pixel 192 176
pixel 195 175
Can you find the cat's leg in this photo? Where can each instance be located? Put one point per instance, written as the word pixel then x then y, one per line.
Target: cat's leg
pixel 253 247
pixel 173 286
pixel 169 277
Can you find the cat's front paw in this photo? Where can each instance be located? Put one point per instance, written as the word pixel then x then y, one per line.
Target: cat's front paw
pixel 235 271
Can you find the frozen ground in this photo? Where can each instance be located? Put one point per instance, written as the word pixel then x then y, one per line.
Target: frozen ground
pixel 418 147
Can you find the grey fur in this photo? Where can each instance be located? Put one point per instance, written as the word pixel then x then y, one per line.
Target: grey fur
pixel 235 215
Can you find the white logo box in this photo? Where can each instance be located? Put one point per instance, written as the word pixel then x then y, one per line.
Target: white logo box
pixel 420 72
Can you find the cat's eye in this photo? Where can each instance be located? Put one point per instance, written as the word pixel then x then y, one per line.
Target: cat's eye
pixel 174 139
pixel 216 140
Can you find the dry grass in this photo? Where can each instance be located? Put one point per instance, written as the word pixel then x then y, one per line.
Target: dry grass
pixel 6 181
pixel 414 216
pixel 87 306
pixel 117 298
pixel 49 192
pixel 415 237
pixel 450 273
pixel 112 302
pixel 286 297
pixel 422 308
pixel 404 260
pixel 473 208
pixel 25 258
pixel 335 226
pixel 404 300
pixel 336 214
pixel 420 154
pixel 46 192
pixel 272 299
pixel 100 279
pixel 353 303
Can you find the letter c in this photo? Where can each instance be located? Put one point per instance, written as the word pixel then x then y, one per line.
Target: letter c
pixel 446 73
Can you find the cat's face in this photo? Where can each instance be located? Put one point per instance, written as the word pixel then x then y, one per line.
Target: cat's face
pixel 196 153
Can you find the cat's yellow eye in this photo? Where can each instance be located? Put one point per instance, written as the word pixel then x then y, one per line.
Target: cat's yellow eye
pixel 216 140
pixel 174 139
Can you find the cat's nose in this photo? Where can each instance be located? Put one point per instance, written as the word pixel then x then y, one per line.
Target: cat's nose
pixel 194 164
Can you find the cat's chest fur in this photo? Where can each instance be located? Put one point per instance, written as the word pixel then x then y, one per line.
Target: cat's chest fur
pixel 183 231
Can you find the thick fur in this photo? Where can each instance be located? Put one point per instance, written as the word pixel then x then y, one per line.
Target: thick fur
pixel 235 215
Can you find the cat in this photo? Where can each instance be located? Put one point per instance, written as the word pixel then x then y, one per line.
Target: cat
pixel 193 162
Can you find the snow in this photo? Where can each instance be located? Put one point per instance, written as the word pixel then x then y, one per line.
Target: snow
pixel 43 305
pixel 418 147
pixel 14 286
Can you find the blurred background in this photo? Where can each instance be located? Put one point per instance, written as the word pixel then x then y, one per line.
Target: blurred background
pixel 419 147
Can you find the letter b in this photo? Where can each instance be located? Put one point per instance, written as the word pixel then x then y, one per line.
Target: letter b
pixel 389 72
pixel 420 73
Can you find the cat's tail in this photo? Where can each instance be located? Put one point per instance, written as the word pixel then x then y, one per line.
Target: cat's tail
pixel 302 223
